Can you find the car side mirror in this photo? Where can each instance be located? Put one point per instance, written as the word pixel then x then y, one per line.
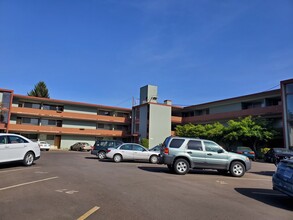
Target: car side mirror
pixel 220 151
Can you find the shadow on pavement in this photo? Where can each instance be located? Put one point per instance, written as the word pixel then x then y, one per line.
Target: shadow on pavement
pixel 164 169
pixel 264 173
pixel 268 196
pixel 92 158
pixel 12 165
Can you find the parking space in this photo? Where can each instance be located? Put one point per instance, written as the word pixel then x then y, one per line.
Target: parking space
pixel 76 185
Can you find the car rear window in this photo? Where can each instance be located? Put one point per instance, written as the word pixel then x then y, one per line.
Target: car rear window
pixel 194 145
pixel 176 143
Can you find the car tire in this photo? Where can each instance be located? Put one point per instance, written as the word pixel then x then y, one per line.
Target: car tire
pixel 117 158
pixel 47 149
pixel 181 166
pixel 101 155
pixel 28 159
pixel 154 159
pixel 237 169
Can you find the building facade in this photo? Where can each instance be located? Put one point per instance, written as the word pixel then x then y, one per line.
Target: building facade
pixel 62 123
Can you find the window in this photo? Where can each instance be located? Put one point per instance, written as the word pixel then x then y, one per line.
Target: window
pixel 137 148
pixel 3 140
pixel 31 121
pixel 194 145
pixel 16 140
pixel 32 105
pixel 176 143
pixel 211 146
pixel 126 147
pixel 47 122
pixel 50 137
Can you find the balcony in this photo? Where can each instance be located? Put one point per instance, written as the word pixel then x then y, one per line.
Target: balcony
pixel 67 115
pixel 176 119
pixel 270 111
pixel 69 131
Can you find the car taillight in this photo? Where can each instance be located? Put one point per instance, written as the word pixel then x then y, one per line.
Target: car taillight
pixel 251 152
pixel 108 151
pixel 239 152
pixel 166 150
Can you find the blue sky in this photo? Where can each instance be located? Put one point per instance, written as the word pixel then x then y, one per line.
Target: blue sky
pixel 102 52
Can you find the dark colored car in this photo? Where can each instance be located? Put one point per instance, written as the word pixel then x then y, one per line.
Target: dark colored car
pixel 81 146
pixel 275 155
pixel 283 177
pixel 246 151
pixel 101 146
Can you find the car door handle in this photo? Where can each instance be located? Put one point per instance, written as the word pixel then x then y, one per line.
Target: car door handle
pixel 189 152
pixel 209 154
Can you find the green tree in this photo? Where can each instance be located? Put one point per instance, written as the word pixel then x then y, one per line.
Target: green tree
pixel 249 131
pixel 40 90
pixel 145 142
pixel 208 131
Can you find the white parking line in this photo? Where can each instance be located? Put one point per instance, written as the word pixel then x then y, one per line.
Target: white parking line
pixel 7 171
pixel 27 183
pixel 88 213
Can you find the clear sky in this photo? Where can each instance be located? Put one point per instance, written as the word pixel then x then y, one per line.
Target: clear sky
pixel 103 51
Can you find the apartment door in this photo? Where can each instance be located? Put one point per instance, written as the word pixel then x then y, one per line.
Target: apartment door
pixel 57 141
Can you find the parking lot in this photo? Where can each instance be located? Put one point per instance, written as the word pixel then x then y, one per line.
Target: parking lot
pixel 76 185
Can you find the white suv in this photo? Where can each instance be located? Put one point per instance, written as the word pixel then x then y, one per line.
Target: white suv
pixel 15 147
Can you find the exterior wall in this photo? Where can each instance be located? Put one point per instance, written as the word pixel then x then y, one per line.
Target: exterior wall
pixel 159 124
pixel 287 97
pixel 143 121
pixel 80 109
pixel 226 108
pixel 68 140
pixel 79 124
pixel 148 93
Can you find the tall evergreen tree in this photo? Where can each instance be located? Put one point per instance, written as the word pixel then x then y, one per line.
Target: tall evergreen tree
pixel 40 90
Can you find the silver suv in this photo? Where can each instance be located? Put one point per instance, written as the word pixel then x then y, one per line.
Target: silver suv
pixel 180 154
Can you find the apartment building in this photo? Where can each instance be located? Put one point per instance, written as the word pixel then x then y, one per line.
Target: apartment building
pixel 62 123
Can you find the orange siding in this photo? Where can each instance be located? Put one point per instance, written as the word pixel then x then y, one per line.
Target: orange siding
pixel 176 119
pixel 60 130
pixel 67 115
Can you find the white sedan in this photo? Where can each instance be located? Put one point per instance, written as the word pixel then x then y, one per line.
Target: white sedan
pixel 44 145
pixel 131 151
pixel 15 147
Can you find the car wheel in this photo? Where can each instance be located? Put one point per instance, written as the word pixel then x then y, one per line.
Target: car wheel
pixel 154 159
pixel 117 158
pixel 237 169
pixel 28 159
pixel 47 149
pixel 181 166
pixel 102 155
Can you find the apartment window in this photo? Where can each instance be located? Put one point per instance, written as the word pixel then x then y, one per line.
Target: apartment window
pixel 59 123
pixel 32 105
pixel 51 137
pixel 31 121
pixel 31 136
pixel 47 122
pixel 49 107
pixel 104 126
pixel 122 114
pixel 250 105
pixel 104 112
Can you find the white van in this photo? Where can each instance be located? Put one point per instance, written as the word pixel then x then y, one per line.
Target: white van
pixel 15 147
